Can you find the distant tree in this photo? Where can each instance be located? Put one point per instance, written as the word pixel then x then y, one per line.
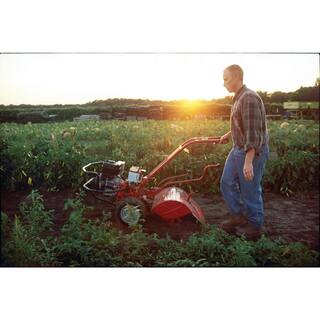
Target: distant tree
pixel 226 100
pixel 264 96
pixel 292 96
pixel 307 94
pixel 278 96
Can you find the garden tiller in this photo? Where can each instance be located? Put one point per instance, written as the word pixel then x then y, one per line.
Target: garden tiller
pixel 133 198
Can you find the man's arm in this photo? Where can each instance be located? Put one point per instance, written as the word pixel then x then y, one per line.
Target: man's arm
pixel 251 121
pixel 251 115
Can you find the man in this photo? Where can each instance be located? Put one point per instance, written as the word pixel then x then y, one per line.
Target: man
pixel 242 174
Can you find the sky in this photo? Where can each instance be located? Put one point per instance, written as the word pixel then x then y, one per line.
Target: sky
pixel 80 78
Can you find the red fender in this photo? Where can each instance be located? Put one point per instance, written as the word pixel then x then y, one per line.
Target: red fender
pixel 173 203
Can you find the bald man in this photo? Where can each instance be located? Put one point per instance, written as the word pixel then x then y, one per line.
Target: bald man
pixel 242 174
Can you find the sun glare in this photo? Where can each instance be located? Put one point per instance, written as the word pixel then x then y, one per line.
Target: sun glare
pixel 190 103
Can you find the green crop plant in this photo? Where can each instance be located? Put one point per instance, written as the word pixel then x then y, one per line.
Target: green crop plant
pixel 51 155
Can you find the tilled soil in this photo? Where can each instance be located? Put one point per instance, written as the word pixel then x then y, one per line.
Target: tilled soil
pixel 295 219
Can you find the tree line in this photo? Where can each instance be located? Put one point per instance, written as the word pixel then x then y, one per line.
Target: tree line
pixel 306 94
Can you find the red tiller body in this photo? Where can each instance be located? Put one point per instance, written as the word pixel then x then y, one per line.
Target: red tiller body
pixel 165 200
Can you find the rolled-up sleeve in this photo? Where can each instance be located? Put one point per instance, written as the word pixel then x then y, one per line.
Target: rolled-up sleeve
pixel 252 122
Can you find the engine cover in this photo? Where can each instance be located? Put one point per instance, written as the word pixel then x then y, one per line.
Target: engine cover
pixel 112 168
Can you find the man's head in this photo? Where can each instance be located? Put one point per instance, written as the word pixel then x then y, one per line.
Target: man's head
pixel 233 78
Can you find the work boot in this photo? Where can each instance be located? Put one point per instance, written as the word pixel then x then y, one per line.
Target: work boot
pixel 233 221
pixel 249 232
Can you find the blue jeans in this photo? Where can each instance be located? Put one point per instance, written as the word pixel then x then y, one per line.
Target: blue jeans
pixel 240 195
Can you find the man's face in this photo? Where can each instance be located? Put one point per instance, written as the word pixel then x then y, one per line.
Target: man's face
pixel 230 81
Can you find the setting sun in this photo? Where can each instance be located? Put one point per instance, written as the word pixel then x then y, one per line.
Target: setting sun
pixel 190 104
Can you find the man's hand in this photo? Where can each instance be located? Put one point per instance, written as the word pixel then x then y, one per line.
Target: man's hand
pixel 248 171
pixel 225 138
pixel 248 167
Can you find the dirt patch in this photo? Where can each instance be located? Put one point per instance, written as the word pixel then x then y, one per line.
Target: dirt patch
pixel 293 219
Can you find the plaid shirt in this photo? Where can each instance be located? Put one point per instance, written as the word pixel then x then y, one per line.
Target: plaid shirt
pixel 248 120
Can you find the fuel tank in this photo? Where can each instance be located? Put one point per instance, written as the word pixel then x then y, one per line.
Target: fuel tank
pixel 172 203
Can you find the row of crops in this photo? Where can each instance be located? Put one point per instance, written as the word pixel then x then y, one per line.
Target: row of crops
pixel 52 154
pixel 30 240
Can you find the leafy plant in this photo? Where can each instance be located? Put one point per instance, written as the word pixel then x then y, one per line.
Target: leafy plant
pixel 27 242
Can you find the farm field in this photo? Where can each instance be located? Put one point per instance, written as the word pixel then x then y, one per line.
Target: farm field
pixel 49 157
pixel 52 155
